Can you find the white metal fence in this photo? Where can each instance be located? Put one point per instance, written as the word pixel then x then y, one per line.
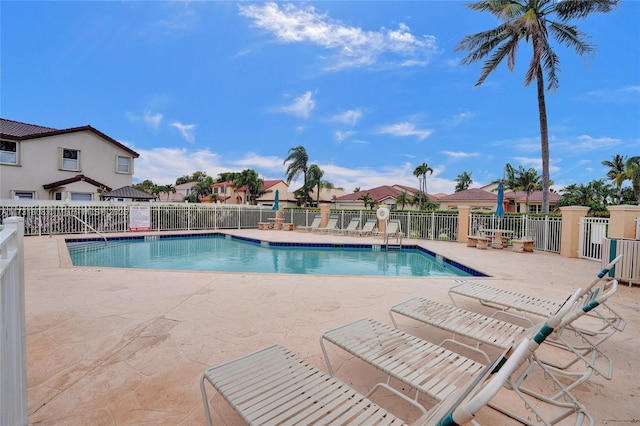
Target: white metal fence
pixel 13 347
pixel 592 232
pixel 545 231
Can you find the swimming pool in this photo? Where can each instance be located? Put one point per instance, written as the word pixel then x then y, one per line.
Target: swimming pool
pixel 224 253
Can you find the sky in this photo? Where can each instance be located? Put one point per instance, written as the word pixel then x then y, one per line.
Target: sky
pixel 371 89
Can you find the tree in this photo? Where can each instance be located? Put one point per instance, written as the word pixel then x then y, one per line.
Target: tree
pixel 522 179
pixel 368 201
pixel 464 181
pixel 195 177
pixel 356 189
pixel 169 188
pixel 298 160
pixel 146 186
pixel 402 200
pixel 421 173
pixel 315 174
pixel 633 174
pixel 594 195
pixel 532 21
pixel 254 186
pixel 202 188
pixel 617 173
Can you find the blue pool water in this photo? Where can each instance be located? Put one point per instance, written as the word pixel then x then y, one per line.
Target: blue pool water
pixel 217 252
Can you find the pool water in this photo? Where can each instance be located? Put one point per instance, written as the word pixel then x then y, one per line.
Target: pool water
pixel 216 252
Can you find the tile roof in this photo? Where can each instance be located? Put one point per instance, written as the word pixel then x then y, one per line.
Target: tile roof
pixel 15 130
pixel 534 197
pixel 382 193
pixel 473 194
pixel 128 192
pixel 76 178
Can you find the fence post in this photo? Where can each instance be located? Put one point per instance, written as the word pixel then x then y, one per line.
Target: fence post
pixel 622 221
pixel 463 223
pixel 570 239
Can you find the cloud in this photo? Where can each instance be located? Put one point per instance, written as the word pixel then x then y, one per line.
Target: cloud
pixel 150 119
pixel 301 106
pixel 460 154
pixel 350 117
pixel 186 130
pixel 588 143
pixel 463 116
pixel 616 95
pixel 342 136
pixel 404 129
pixel 351 46
pixel 536 163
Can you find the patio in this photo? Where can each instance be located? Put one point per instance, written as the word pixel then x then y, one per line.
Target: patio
pixel 123 347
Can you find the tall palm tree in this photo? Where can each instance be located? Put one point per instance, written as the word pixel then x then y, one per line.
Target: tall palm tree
pixel 617 172
pixel 532 21
pixel 402 199
pixel 464 181
pixel 421 173
pixel 298 159
pixel 249 179
pixel 633 174
pixel 315 174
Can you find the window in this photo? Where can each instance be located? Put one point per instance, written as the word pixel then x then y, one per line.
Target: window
pixel 123 164
pixel 79 196
pixel 70 159
pixel 8 152
pixel 23 195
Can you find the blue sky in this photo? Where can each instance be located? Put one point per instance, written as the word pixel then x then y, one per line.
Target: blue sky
pixel 371 89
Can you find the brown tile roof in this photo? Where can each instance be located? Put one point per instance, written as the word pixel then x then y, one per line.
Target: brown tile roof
pixel 128 192
pixel 15 130
pixel 473 194
pixel 382 193
pixel 76 178
pixel 534 197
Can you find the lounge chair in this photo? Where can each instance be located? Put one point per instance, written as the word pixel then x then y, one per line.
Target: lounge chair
pixel 392 229
pixel 351 227
pixel 439 373
pixel 367 229
pixel 505 300
pixel 275 386
pixel 314 224
pixel 331 225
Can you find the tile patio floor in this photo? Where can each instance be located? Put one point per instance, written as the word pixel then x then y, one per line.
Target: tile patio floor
pixel 127 347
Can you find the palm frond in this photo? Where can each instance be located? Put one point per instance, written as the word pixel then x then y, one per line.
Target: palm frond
pixel 578 9
pixel 571 36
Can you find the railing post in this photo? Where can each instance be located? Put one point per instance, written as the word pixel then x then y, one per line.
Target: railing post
pixel 569 244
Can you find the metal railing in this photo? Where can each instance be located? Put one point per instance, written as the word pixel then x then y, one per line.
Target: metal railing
pixel 13 345
pixel 546 231
pixel 592 232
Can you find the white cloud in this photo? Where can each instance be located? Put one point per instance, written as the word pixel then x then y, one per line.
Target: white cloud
pixel 350 117
pixel 301 106
pixel 351 46
pixel 153 120
pixel 460 154
pixel 463 116
pixel 342 136
pixel 186 130
pixel 404 129
pixel 588 143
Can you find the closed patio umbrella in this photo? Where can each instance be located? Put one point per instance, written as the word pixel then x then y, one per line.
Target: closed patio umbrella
pixel 276 202
pixel 500 202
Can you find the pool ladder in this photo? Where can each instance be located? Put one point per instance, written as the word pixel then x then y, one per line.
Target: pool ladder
pixel 397 245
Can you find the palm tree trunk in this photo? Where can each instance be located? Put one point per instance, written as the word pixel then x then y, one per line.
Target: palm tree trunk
pixel 544 140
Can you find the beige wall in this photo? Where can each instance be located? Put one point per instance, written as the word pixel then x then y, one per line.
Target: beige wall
pixel 39 164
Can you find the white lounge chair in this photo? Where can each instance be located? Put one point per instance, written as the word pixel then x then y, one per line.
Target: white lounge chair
pixel 369 228
pixel 392 229
pixel 275 386
pixel 439 373
pixel 351 227
pixel 331 225
pixel 314 224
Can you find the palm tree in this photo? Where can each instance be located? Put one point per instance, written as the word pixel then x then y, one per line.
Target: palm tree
pixel 421 173
pixel 203 188
pixel 522 179
pixel 617 172
pixel 367 201
pixel 402 200
pixel 315 174
pixel 249 179
pixel 532 21
pixel 464 181
pixel 299 159
pixel 633 174
pixel 169 188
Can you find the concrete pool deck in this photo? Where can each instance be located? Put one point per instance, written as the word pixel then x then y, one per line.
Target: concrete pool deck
pixel 108 346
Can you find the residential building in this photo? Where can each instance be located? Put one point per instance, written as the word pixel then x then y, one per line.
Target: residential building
pixel 486 197
pixel 385 194
pixel 182 191
pixel 78 163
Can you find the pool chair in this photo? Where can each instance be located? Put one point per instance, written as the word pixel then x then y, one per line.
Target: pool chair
pixel 439 374
pixel 331 225
pixel 508 301
pixel 369 228
pixel 276 386
pixel 392 229
pixel 351 227
pixel 314 224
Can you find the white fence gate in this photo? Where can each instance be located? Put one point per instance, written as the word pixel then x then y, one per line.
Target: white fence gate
pixel 13 347
pixel 592 231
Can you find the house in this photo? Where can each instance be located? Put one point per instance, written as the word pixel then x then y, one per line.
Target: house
pixel 182 191
pixel 78 163
pixel 127 193
pixel 478 199
pixel 381 195
pixel 486 197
